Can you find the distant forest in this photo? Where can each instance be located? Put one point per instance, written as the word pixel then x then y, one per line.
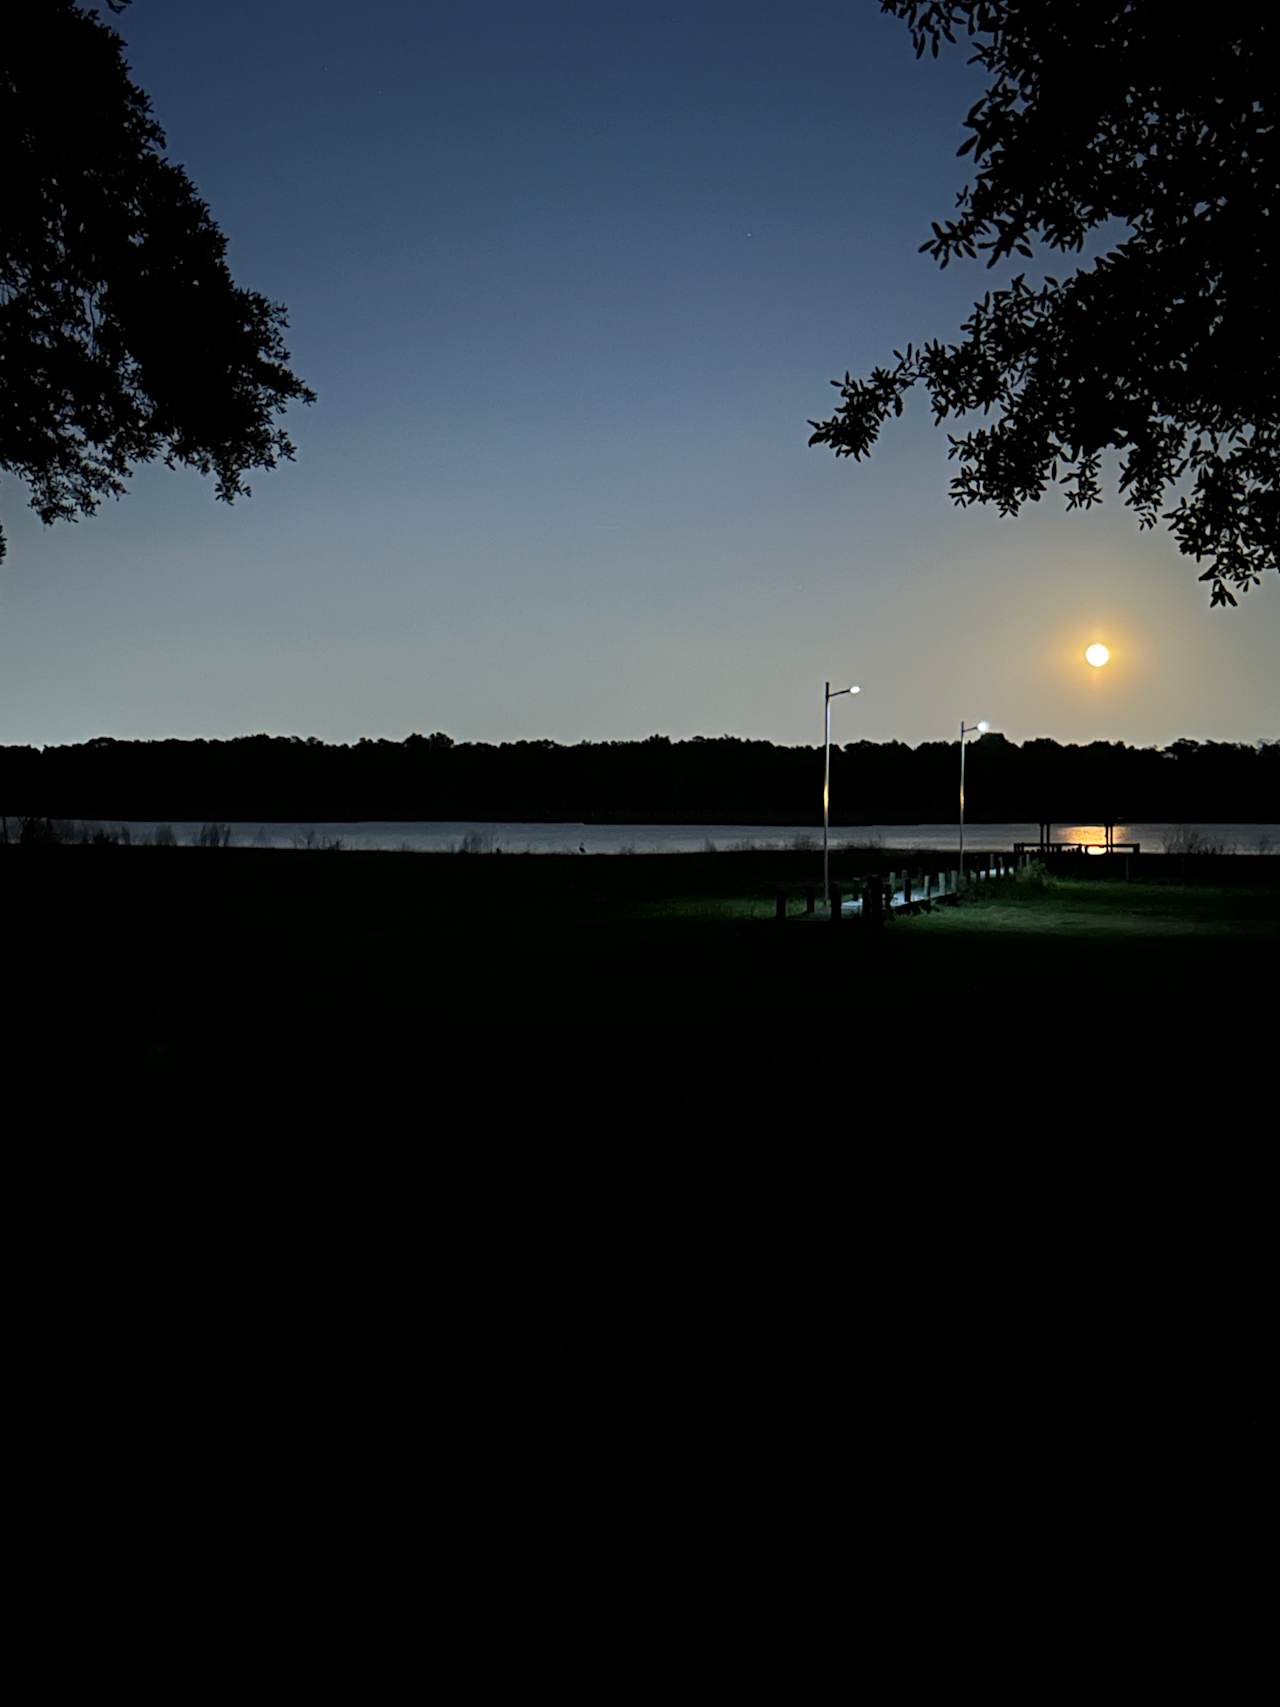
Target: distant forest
pixel 720 780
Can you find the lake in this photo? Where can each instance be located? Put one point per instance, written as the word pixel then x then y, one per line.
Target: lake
pixel 438 837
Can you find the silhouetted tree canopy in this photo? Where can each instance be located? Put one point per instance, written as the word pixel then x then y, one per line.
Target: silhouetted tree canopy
pixel 123 336
pixel 704 780
pixel 1100 113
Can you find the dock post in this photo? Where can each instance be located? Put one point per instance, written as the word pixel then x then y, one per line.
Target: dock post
pixel 873 901
pixel 837 903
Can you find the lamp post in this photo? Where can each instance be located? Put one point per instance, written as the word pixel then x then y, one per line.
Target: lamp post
pixel 827 697
pixel 979 728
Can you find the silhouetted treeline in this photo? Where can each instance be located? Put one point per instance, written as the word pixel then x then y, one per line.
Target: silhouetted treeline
pixel 721 780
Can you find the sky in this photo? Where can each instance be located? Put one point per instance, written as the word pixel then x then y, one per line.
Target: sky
pixel 569 281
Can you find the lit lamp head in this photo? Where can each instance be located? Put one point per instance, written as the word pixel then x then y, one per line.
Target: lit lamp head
pixel 1097 654
pixel 982 726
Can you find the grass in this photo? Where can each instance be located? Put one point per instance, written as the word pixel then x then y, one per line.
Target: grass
pixel 546 975
pixel 1121 910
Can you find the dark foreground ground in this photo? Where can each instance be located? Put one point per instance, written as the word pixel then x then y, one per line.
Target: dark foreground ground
pixel 577 990
pixel 598 1168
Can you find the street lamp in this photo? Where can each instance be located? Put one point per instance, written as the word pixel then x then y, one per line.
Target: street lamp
pixel 978 728
pixel 827 697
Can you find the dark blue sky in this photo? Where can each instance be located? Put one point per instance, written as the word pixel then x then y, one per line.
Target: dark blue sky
pixel 569 279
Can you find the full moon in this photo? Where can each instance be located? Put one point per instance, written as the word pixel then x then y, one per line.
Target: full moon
pixel 1097 654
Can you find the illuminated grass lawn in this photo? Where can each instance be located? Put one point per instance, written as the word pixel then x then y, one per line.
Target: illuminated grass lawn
pixel 1059 908
pixel 1127 910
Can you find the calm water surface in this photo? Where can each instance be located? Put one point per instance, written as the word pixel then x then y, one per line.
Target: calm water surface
pixel 436 837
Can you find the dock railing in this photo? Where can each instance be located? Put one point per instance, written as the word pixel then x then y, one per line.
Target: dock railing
pixel 910 890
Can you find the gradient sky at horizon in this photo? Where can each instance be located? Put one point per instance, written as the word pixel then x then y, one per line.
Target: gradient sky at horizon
pixel 569 281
